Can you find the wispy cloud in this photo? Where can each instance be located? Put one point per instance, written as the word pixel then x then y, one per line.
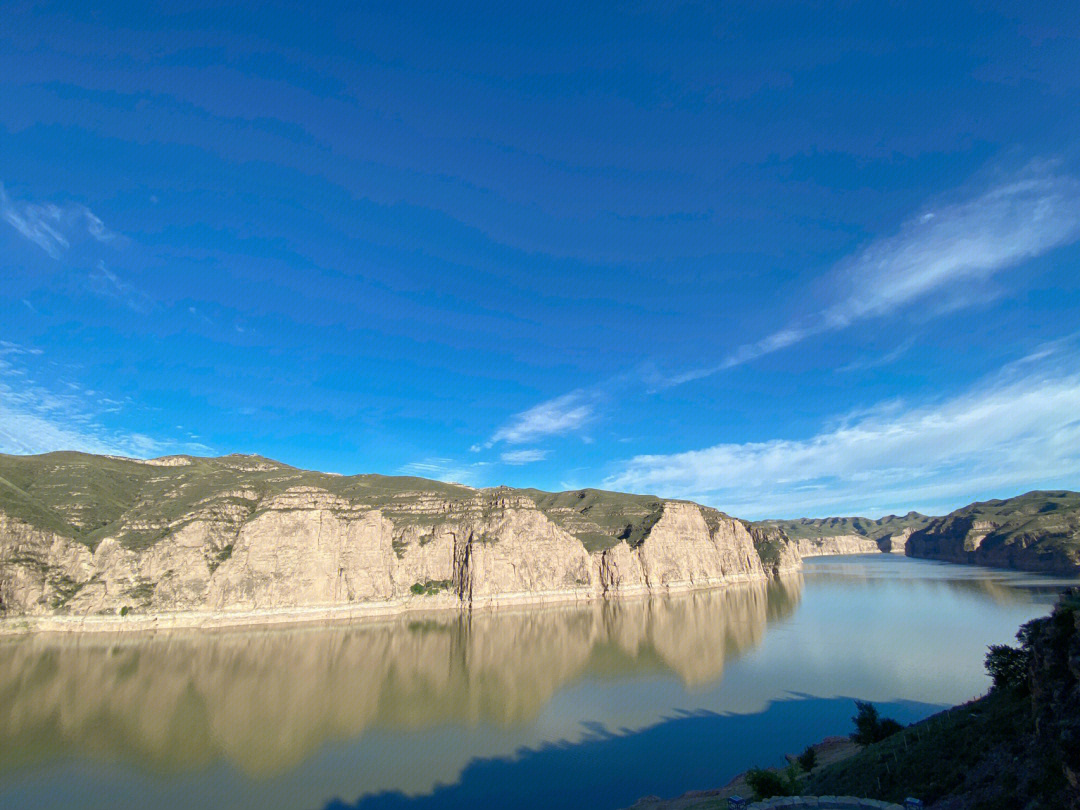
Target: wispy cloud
pixel 1019 430
pixel 555 417
pixel 937 251
pixel 444 469
pixel 104 281
pixel 50 226
pixel 517 457
pixel 37 419
pixel 886 359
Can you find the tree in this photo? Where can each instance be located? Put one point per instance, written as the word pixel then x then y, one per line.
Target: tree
pixel 869 726
pixel 1008 666
pixel 808 758
pixel 767 784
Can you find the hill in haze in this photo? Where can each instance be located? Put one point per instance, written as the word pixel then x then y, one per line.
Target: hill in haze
pixel 1037 531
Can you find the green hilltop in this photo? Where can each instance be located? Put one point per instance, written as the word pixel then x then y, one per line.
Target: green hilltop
pixel 90 497
pixel 816 528
pixel 1037 531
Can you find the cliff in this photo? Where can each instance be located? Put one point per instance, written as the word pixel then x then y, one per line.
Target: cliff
pixel 116 543
pixel 815 537
pixel 1038 531
pixel 1053 646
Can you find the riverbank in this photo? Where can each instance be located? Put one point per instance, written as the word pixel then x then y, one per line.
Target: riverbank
pixel 1013 747
pixel 828 751
pixel 438 603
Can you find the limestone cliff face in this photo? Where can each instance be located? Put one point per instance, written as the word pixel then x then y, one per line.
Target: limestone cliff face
pixel 839 544
pixel 818 537
pixel 306 551
pixel 1039 531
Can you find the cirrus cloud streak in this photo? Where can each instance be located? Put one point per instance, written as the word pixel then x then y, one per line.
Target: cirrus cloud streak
pixel 935 253
pixel 1017 431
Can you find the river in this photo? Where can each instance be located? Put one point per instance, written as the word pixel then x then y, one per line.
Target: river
pixel 588 706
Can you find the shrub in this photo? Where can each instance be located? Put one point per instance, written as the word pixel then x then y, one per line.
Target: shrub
pixel 869 727
pixel 888 727
pixel 1008 666
pixel 767 784
pixel 808 758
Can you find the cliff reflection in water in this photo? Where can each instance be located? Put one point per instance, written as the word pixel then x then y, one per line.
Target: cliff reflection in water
pixel 265 700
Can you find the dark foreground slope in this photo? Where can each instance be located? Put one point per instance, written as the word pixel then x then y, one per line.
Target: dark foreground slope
pixel 1017 747
pixel 1039 531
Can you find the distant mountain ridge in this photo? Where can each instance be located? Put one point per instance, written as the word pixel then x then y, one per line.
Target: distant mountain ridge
pixel 814 537
pixel 814 528
pixel 1037 531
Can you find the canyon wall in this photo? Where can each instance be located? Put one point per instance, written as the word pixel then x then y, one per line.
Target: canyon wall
pixel 1039 531
pixel 294 551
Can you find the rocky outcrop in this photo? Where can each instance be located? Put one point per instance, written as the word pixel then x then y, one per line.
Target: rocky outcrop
pixel 839 544
pixel 1053 644
pixel 1039 531
pixel 303 547
pixel 896 543
pixel 817 537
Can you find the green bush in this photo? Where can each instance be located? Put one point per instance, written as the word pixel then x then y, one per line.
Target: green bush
pixel 431 587
pixel 1008 666
pixel 808 758
pixel 767 784
pixel 870 727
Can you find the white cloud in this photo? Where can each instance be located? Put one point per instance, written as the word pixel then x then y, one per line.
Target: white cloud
pixel 881 360
pixel 443 469
pixel 937 252
pixel 35 419
pixel 50 226
pixel 105 282
pixel 1018 431
pixel 523 456
pixel 555 417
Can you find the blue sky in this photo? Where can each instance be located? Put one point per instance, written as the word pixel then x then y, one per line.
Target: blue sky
pixel 785 259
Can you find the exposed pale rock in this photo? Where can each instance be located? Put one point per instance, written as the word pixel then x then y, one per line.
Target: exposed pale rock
pixel 195 555
pixel 839 544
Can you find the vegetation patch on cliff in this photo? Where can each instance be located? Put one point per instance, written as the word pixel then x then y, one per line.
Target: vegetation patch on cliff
pixel 598 518
pixel 430 587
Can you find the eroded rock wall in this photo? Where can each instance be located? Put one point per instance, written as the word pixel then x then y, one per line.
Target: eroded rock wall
pixel 964 539
pixel 840 544
pixel 308 549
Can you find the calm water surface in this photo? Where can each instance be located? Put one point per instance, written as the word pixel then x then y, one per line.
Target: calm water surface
pixel 587 706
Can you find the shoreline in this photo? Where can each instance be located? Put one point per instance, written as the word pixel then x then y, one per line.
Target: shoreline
pixel 829 750
pixel 361 611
